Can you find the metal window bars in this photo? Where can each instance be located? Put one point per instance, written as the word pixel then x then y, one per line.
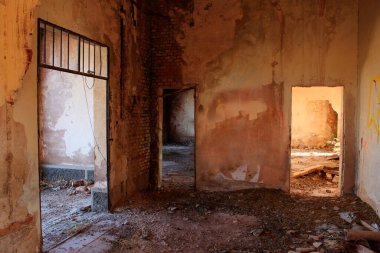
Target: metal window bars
pixel 64 50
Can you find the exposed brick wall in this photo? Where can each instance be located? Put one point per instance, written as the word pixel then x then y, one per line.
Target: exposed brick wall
pixel 166 62
pixel 166 52
pixel 137 102
pixel 131 143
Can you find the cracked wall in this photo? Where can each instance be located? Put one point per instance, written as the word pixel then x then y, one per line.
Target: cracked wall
pixel 128 108
pixel 243 57
pixel 19 216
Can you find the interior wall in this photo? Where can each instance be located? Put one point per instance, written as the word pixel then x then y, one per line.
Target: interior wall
pixel 20 229
pixel 179 111
pixel 368 177
pixel 314 122
pixel 243 64
pixel 128 109
pixel 66 136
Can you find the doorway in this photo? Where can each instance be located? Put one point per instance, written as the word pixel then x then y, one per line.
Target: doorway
pixel 73 131
pixel 178 138
pixel 316 140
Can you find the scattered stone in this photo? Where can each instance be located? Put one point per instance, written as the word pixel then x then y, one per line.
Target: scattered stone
pixel 76 183
pixel 336 208
pixel 81 189
pixel 256 232
pixel 172 209
pixel 362 249
pixel 347 216
pixel 305 250
pixel 85 208
pixel 88 182
pixel 315 237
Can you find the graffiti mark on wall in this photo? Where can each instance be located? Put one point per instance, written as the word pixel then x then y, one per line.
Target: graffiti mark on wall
pixel 373 118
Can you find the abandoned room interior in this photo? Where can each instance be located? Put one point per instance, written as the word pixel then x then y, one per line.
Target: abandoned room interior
pixel 189 126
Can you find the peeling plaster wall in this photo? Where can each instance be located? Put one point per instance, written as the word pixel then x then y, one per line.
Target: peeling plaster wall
pixel 244 56
pixel 19 192
pixel 65 119
pixel 181 117
pixel 99 20
pixel 368 139
pixel 316 115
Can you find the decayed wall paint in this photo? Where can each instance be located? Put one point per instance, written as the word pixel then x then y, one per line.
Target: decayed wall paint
pixel 181 117
pixel 19 195
pixel 311 107
pixel 368 138
pixel 100 131
pixel 244 57
pixel 19 216
pixel 65 118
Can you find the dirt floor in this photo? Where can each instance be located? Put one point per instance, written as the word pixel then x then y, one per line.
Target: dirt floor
pixel 243 221
pixel 178 166
pixel 179 219
pixel 314 184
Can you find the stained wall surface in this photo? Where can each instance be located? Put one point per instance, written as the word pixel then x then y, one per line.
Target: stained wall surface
pixel 316 116
pixel 244 57
pixel 368 138
pixel 128 107
pixel 66 118
pixel 180 113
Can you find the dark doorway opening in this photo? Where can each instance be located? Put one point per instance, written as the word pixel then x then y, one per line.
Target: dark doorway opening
pixel 178 138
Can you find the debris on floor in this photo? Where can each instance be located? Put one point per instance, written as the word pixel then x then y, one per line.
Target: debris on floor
pixel 178 166
pixel 179 219
pixel 259 220
pixel 315 172
pixel 65 210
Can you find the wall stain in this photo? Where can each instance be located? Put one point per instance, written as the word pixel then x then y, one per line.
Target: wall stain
pixel 373 113
pixel 280 17
pixel 16 170
pixel 17 225
pixel 244 149
pixel 322 7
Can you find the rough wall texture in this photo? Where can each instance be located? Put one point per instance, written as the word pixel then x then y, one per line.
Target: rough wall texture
pixel 66 134
pixel 19 193
pixel 243 57
pixel 316 116
pixel 368 138
pixel 134 123
pixel 128 108
pixel 179 113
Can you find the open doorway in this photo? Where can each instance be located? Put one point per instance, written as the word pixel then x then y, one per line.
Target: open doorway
pixel 73 131
pixel 178 138
pixel 316 142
